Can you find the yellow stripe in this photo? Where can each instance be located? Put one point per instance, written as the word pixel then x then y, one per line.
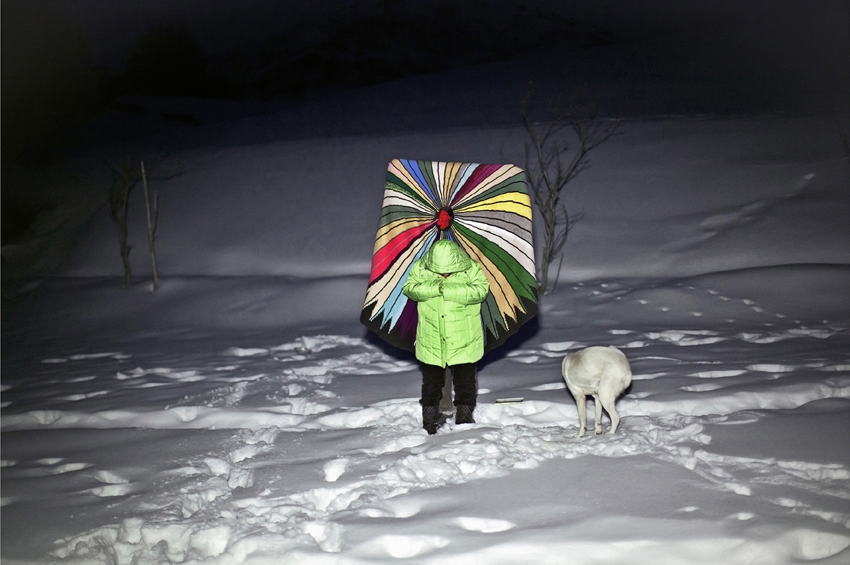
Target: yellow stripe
pixel 452 170
pixel 514 202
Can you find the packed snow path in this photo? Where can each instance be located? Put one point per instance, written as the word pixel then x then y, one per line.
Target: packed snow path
pixel 311 451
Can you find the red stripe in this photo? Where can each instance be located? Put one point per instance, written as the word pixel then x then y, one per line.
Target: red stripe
pixel 387 255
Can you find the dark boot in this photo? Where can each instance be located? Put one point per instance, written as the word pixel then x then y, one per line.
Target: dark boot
pixel 432 419
pixel 464 414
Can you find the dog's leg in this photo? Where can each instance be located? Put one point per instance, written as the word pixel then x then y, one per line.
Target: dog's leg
pixel 581 406
pixel 608 402
pixel 597 423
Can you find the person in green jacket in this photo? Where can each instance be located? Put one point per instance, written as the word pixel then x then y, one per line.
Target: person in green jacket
pixel 449 288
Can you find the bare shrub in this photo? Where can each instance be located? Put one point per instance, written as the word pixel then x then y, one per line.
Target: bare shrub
pixel 124 178
pixel 552 161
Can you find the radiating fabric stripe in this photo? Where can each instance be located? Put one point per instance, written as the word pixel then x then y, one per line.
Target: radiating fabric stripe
pixel 453 170
pixel 514 184
pixel 498 175
pixel 504 295
pixel 522 251
pixel 466 172
pixel 522 281
pixel 410 180
pixel 478 175
pixel 492 223
pixel 491 318
pixel 510 202
pixel 388 234
pixel 394 212
pixel 437 180
pixel 382 290
pixel 426 169
pixel 394 302
pixel 418 179
pixel 515 224
pixel 394 198
pixel 399 186
pixel 385 256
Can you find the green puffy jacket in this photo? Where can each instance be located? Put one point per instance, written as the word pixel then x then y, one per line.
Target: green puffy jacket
pixel 450 329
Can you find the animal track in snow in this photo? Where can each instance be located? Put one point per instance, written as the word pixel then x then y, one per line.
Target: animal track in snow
pixel 704 387
pixel 82 379
pixel 210 498
pixel 68 468
pixel 76 397
pixel 718 374
pixel 526 359
pixel 246 352
pixel 483 525
pixel 771 368
pixel 549 386
pixel 552 350
pixel 401 546
pixel 647 376
pixel 533 434
pixel 335 468
pixel 113 485
pixel 560 346
pixel 118 356
pixel 686 337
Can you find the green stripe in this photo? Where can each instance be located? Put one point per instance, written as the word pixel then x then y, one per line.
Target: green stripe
pixel 491 316
pixel 398 185
pixel 428 173
pixel 392 213
pixel 520 280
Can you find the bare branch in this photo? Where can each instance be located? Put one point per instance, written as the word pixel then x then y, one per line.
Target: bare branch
pixel 123 181
pixel 151 226
pixel 552 162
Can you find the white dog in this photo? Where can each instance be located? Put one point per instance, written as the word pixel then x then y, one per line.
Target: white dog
pixel 601 372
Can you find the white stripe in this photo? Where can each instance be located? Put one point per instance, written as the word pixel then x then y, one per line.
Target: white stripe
pixel 393 198
pixel 519 248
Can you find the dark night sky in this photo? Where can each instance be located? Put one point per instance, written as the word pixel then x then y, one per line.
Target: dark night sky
pixel 668 56
pixel 790 29
pixel 805 27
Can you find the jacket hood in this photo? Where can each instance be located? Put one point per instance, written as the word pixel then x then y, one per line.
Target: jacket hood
pixel 446 256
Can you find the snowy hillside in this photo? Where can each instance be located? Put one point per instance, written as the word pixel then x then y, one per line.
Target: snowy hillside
pixel 241 414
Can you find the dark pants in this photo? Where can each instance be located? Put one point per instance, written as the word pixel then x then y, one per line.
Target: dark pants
pixel 464 377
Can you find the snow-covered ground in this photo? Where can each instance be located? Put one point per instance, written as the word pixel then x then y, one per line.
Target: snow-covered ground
pixel 241 414
pixel 248 419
